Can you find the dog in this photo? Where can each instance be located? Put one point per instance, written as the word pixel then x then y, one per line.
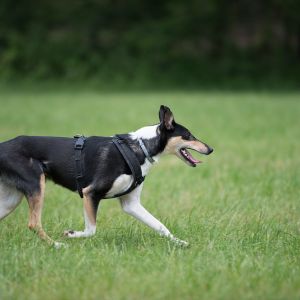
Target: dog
pixel 27 161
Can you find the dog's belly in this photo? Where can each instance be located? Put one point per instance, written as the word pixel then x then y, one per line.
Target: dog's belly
pixel 121 184
pixel 9 199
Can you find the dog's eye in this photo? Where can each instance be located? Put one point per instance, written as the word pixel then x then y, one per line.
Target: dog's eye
pixel 191 137
pixel 187 136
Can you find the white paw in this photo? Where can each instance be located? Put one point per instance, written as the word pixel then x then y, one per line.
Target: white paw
pixel 179 242
pixel 70 233
pixel 58 245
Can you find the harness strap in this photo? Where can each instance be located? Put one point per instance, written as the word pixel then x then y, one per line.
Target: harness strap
pixel 131 161
pixel 142 145
pixel 78 146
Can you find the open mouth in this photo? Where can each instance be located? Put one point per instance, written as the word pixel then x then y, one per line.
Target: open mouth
pixel 187 156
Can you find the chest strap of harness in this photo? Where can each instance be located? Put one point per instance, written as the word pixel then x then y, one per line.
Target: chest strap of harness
pixel 132 162
pixel 127 153
pixel 78 147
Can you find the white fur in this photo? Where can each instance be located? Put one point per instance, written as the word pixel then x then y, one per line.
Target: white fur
pixel 58 245
pixel 124 181
pixel 10 198
pixel 131 205
pixel 121 184
pixel 89 230
pixel 147 132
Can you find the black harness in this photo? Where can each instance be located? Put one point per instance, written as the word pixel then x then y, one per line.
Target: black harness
pixel 78 147
pixel 131 161
pixel 127 153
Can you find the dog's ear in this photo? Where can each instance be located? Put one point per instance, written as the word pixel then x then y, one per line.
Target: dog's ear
pixel 166 117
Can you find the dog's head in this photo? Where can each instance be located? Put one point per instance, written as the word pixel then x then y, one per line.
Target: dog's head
pixel 179 139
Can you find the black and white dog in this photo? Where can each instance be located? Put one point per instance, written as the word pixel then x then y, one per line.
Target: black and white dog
pixel 27 161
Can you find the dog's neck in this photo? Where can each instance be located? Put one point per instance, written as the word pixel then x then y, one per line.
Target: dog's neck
pixel 145 133
pixel 151 138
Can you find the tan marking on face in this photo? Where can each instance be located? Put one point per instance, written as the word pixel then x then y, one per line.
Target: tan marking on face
pixel 176 143
pixel 197 145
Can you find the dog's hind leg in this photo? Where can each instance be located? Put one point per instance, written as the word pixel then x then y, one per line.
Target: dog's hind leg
pixel 35 202
pixel 10 198
pixel 90 207
pixel 131 205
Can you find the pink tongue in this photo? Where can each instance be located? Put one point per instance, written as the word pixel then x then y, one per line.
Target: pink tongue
pixel 191 158
pixel 195 161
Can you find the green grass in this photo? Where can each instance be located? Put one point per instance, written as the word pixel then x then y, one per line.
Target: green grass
pixel 239 210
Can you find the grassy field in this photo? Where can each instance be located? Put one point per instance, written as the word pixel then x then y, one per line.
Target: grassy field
pixel 240 210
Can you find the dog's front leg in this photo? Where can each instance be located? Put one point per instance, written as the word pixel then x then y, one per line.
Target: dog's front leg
pixel 90 207
pixel 131 205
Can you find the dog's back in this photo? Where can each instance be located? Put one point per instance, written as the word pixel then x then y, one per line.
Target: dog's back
pixel 24 158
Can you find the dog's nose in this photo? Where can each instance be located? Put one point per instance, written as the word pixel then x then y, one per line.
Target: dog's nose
pixel 210 150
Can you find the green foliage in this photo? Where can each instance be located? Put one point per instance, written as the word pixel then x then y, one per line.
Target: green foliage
pixel 239 209
pixel 169 42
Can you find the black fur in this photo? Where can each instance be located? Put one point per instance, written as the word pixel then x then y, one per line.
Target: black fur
pixel 25 158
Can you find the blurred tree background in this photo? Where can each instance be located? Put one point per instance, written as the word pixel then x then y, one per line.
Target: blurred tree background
pixel 159 43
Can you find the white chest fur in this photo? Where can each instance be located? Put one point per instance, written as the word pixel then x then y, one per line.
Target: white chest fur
pixel 123 182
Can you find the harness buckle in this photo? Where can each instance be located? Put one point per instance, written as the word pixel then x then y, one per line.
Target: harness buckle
pixel 79 141
pixel 79 146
